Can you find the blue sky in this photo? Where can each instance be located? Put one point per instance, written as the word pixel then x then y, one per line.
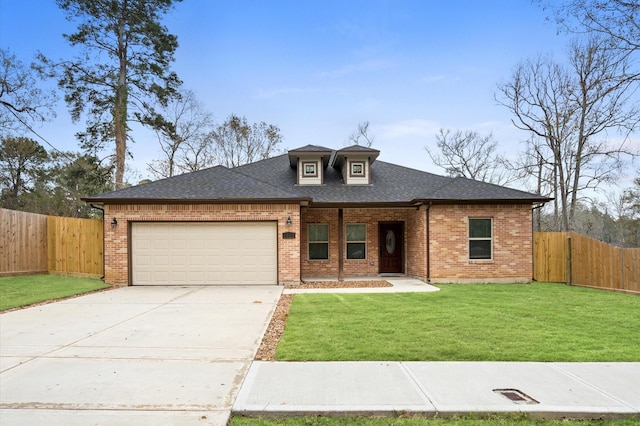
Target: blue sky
pixel 318 68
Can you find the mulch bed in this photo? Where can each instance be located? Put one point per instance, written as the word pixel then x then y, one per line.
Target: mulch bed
pixel 267 350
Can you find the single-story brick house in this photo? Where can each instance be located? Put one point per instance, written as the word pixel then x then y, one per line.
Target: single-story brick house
pixel 316 213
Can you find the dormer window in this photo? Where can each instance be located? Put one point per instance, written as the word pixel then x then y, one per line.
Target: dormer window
pixel 354 164
pixel 310 163
pixel 357 169
pixel 310 169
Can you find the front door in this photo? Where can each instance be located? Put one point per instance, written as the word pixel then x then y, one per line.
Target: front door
pixel 390 243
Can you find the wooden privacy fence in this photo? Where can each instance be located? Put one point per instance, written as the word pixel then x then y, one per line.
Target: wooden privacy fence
pixel 579 260
pixel 33 243
pixel 75 245
pixel 23 242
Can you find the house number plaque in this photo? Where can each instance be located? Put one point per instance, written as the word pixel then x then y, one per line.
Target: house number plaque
pixel 288 235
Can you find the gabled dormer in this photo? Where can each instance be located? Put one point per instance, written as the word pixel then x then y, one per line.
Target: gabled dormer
pixel 354 163
pixel 310 163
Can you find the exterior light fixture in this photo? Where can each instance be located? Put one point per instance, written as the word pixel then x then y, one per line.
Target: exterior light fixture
pixel 288 221
pixel 114 223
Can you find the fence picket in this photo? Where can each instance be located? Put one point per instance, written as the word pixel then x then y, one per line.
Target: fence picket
pixel 34 243
pixel 593 263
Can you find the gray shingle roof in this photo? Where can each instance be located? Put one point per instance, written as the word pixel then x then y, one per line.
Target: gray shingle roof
pixel 274 179
pixel 216 183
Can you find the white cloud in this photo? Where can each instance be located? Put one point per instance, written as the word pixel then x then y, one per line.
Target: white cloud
pixel 408 128
pixel 283 91
pixel 433 78
pixel 367 66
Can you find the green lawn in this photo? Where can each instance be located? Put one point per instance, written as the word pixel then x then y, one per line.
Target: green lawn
pixel 28 289
pixel 365 421
pixel 535 322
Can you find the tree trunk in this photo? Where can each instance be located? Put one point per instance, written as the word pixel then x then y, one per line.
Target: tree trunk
pixel 120 107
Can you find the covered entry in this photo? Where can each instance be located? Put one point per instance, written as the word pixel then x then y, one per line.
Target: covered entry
pixel 209 253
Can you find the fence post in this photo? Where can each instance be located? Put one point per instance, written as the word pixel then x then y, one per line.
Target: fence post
pixel 569 260
pixel 622 250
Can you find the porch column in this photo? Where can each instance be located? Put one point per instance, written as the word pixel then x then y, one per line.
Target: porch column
pixel 340 245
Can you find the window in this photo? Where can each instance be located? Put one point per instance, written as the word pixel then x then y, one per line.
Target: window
pixel 318 242
pixel 309 169
pixel 480 241
pixel 356 169
pixel 356 241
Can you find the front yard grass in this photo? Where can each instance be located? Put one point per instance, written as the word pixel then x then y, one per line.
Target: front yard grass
pixel 29 289
pixel 511 322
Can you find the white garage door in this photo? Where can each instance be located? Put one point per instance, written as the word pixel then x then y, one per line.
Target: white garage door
pixel 174 253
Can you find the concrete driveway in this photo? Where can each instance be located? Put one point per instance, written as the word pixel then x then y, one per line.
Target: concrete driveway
pixel 134 355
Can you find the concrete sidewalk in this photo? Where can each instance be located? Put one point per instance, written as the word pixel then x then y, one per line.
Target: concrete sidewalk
pixel 543 390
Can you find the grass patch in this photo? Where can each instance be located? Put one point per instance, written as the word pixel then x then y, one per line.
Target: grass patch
pixel 415 421
pixel 536 322
pixel 29 289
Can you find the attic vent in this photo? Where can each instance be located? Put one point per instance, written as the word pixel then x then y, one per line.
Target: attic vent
pixel 516 396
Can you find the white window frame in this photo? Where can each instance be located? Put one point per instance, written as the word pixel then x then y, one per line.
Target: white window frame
pixel 363 168
pixel 347 242
pixel 309 241
pixel 490 239
pixel 304 169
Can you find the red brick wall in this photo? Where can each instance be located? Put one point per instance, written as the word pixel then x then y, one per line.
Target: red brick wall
pixel 448 246
pixel 512 244
pixel 117 245
pixel 416 233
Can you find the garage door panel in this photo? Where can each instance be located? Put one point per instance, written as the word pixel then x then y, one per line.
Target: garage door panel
pixel 204 253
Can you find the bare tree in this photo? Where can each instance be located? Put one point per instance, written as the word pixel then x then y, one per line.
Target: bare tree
pixel 616 20
pixel 468 154
pixel 22 102
pixel 237 142
pixel 180 126
pixel 573 109
pixel 197 154
pixel 360 136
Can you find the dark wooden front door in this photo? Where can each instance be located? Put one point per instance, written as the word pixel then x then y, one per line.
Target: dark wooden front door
pixel 390 243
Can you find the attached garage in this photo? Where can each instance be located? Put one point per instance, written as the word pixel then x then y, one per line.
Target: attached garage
pixel 204 253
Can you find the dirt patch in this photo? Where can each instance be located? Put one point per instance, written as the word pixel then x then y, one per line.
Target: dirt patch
pixel 267 350
pixel 341 284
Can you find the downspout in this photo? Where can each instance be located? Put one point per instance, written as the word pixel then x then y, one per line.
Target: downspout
pixel 103 258
pixel 428 238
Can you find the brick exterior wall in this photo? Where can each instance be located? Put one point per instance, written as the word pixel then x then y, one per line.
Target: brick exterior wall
pixel 512 244
pixel 416 232
pixel 117 244
pixel 448 244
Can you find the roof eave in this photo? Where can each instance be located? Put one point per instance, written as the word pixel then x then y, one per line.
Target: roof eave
pixel 103 201
pixel 362 204
pixel 481 201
